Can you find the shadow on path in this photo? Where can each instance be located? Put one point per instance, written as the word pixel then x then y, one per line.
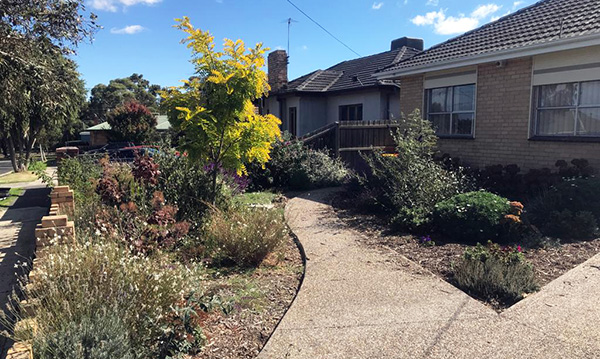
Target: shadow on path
pixel 17 242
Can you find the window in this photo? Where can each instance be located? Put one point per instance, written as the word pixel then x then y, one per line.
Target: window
pixel 351 113
pixel 451 110
pixel 293 122
pixel 571 109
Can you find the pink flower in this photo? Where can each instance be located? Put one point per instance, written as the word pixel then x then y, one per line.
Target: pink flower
pixel 518 248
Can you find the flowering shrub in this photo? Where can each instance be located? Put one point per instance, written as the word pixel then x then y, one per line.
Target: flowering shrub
pixel 295 166
pixel 495 273
pixel 139 290
pixel 244 237
pixel 146 170
pixel 472 217
pixel 410 184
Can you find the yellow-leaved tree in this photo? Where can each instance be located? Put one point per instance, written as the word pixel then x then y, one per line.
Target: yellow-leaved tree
pixel 214 109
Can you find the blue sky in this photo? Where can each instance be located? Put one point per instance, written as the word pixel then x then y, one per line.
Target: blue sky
pixel 138 35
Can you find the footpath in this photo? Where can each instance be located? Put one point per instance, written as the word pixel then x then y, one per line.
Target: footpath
pixel 358 302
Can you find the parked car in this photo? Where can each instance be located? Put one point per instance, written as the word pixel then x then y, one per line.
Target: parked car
pixel 128 154
pixel 110 148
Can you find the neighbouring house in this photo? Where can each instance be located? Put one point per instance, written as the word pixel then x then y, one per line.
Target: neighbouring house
pixel 99 134
pixel 344 92
pixel 524 89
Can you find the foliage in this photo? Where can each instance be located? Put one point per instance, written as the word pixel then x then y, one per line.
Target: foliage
pixel 137 289
pixel 37 166
pixel 410 183
pixel 471 217
pixel 568 225
pixel 576 195
pixel 101 335
pixel 214 110
pixel 244 237
pixel 295 166
pixel 105 98
pixel 80 174
pixel 495 273
pixel 132 121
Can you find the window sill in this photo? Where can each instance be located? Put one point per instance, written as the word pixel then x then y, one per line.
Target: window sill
pixel 450 137
pixel 565 139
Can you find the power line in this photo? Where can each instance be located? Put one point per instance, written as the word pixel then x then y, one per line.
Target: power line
pixel 324 29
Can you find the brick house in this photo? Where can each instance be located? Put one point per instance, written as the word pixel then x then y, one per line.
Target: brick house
pixel 524 89
pixel 344 92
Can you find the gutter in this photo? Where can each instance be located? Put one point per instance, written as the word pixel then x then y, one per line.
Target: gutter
pixel 537 49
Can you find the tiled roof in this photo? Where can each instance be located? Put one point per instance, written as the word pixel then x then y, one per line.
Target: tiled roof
pixel 351 74
pixel 162 124
pixel 542 22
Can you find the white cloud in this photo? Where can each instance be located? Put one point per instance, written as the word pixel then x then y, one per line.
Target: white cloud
pixel 449 25
pixel 433 2
pixel 114 5
pixel 516 4
pixel 304 47
pixel 483 11
pixel 128 30
pixel 377 5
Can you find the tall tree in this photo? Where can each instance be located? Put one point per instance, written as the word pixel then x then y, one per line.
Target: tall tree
pixel 214 110
pixel 132 122
pixel 39 86
pixel 106 98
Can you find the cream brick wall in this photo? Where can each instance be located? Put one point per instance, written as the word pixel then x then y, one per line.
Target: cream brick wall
pixel 502 122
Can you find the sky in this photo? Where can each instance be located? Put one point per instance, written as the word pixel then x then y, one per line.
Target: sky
pixel 138 35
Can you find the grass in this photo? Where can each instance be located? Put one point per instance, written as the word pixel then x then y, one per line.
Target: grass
pixel 18 177
pixel 255 198
pixel 14 193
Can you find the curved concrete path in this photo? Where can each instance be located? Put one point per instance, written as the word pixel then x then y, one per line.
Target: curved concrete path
pixel 358 302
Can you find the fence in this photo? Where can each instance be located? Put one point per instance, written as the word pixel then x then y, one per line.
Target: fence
pixel 349 138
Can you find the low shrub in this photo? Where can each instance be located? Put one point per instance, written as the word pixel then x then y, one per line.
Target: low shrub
pixel 36 166
pixel 243 236
pixel 409 184
pixel 566 224
pixel 576 196
pixel 80 174
pixel 471 217
pixel 495 273
pixel 100 335
pixel 295 166
pixel 139 290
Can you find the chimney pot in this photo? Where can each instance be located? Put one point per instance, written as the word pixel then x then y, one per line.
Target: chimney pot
pixel 277 69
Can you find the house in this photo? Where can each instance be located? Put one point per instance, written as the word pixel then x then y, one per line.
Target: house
pixel 344 92
pixel 99 134
pixel 524 89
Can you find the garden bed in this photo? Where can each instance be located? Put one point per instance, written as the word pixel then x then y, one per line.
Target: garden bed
pixel 549 262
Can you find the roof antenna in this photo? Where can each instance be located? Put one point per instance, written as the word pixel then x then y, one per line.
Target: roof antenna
pixel 289 22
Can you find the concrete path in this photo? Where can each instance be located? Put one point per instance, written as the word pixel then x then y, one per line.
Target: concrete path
pixel 358 302
pixel 17 237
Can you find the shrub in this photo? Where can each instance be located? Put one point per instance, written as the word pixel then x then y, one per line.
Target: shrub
pixel 132 121
pixel 36 166
pixel 100 335
pixel 139 290
pixel 295 166
pixel 495 273
pixel 244 236
pixel 578 195
pixel 471 217
pixel 80 173
pixel 410 183
pixel 566 224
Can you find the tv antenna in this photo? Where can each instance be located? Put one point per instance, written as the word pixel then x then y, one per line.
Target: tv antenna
pixel 289 21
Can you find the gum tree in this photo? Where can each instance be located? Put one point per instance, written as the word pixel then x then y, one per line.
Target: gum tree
pixel 214 109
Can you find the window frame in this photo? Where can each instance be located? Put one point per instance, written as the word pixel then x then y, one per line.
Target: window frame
pixel 428 113
pixel 536 109
pixel 293 121
pixel 346 109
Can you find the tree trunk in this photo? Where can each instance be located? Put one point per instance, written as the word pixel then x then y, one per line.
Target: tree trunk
pixel 13 155
pixel 214 175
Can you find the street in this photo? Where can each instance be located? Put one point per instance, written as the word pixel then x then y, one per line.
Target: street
pixel 5 167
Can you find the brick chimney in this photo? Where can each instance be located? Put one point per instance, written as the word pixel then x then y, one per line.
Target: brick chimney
pixel 408 42
pixel 277 68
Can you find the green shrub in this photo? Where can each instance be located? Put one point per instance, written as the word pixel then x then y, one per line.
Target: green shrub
pixel 101 335
pixel 244 236
pixel 579 195
pixel 409 184
pixel 566 224
pixel 295 166
pixel 76 282
pixel 471 217
pixel 494 273
pixel 79 173
pixel 35 166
